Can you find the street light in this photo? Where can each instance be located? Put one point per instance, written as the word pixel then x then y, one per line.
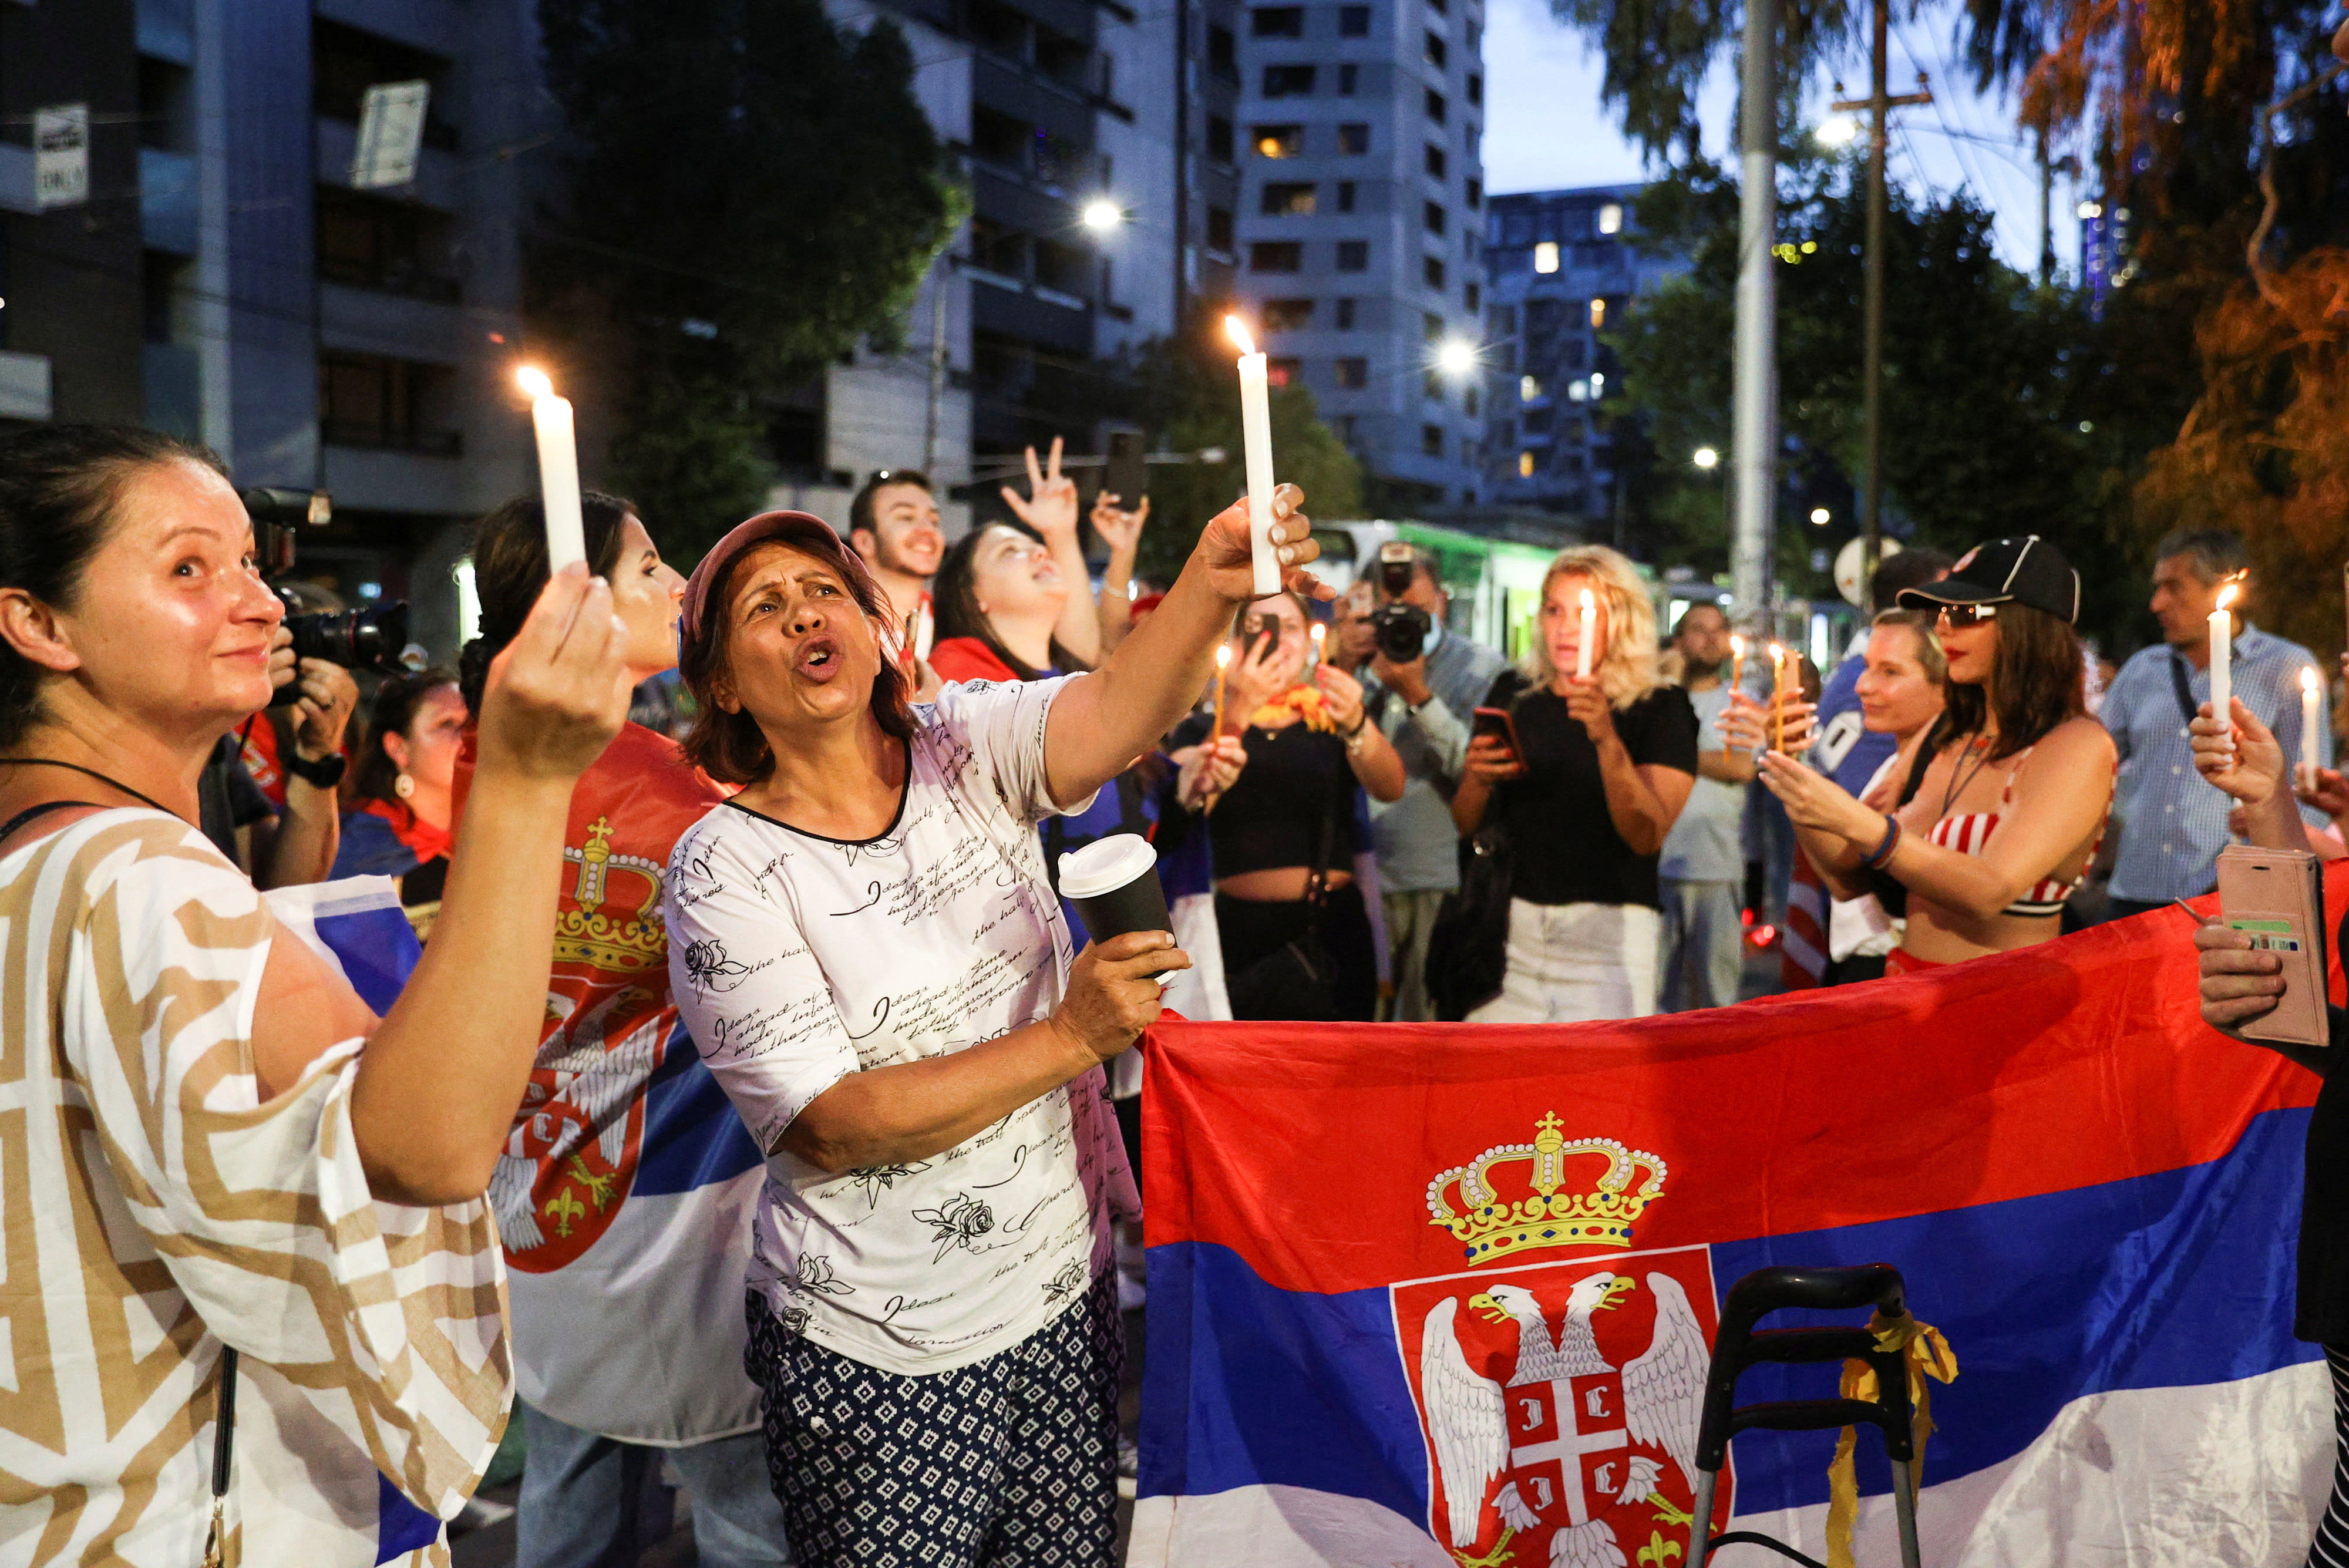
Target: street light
pixel 1102 215
pixel 1839 130
pixel 1705 457
pixel 1820 515
pixel 1456 356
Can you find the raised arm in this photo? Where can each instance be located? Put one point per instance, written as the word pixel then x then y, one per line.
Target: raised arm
pixel 437 1084
pixel 1051 508
pixel 1100 723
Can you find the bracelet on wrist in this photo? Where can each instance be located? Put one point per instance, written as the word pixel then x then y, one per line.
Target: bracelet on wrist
pixel 1884 851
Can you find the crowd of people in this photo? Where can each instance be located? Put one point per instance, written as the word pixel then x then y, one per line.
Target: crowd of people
pixel 917 1158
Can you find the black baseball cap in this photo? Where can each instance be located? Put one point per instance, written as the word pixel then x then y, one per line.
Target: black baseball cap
pixel 2026 571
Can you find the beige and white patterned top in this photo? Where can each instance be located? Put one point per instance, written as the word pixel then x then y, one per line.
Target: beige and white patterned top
pixel 152 1208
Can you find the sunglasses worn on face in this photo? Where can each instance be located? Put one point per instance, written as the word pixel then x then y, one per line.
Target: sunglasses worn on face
pixel 1957 617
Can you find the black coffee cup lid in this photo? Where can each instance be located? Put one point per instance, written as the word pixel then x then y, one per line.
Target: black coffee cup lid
pixel 1105 864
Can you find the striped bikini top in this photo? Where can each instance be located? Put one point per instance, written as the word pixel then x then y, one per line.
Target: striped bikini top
pixel 1968 832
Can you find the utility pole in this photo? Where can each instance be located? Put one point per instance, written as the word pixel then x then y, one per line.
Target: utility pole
pixel 1880 104
pixel 2046 214
pixel 1755 432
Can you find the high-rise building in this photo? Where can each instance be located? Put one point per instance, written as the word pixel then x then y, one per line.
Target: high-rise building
pixel 217 275
pixel 1562 267
pixel 1360 227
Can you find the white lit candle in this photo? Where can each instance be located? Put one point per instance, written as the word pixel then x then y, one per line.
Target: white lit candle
pixel 1321 633
pixel 1736 663
pixel 1777 696
pixel 558 469
pixel 2222 653
pixel 2311 712
pixel 1590 635
pixel 1222 670
pixel 1255 440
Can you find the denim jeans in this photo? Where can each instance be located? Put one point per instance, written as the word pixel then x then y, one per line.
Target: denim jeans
pixel 580 1493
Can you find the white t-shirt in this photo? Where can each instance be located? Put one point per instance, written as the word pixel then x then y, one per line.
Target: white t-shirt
pixel 797 959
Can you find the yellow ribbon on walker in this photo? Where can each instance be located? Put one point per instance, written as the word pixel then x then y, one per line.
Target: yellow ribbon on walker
pixel 1926 1355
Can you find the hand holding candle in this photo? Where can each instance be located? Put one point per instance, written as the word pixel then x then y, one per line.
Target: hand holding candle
pixel 1255 441
pixel 558 469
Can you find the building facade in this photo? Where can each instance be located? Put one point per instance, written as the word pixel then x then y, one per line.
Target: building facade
pixel 1562 266
pixel 1361 229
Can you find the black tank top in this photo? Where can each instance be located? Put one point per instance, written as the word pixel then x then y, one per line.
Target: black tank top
pixel 1272 817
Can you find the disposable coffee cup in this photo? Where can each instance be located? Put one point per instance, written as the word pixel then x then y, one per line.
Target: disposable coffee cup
pixel 1113 883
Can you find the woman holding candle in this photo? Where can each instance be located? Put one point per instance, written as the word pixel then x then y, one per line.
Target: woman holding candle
pixel 865 948
pixel 2017 779
pixel 1285 830
pixel 1609 759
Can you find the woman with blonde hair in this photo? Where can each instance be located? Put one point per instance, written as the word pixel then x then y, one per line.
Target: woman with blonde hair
pixel 1601 765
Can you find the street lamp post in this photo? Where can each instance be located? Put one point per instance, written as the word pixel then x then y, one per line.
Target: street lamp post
pixel 1880 105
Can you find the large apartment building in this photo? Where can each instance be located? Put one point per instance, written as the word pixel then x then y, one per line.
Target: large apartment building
pixel 1562 265
pixel 1361 228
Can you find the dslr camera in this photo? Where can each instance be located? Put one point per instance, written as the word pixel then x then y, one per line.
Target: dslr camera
pixel 1400 631
pixel 370 638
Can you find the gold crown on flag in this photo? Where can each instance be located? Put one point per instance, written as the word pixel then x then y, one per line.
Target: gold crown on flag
pixel 589 934
pixel 1494 1224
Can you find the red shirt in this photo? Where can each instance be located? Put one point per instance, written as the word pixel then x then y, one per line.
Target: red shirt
pixel 967 659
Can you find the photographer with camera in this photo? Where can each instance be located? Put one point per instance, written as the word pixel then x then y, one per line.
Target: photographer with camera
pixel 1421 689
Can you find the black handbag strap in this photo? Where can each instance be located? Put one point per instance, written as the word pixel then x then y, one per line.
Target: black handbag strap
pixel 223 1460
pixel 2187 707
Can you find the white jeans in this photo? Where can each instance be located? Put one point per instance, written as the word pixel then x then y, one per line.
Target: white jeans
pixel 1570 963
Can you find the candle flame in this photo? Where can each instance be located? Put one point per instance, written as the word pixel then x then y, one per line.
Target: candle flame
pixel 1737 645
pixel 1224 657
pixel 534 382
pixel 2227 595
pixel 1238 331
pixel 1319 631
pixel 1589 600
pixel 2309 679
pixel 1777 652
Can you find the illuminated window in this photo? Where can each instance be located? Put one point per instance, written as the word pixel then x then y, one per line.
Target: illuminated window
pixel 1598 314
pixel 1529 388
pixel 1278 140
pixel 1525 465
pixel 1546 256
pixel 1610 219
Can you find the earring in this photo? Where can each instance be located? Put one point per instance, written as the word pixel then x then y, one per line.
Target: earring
pixel 403 786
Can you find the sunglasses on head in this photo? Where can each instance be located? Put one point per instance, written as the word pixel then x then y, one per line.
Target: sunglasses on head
pixel 1957 617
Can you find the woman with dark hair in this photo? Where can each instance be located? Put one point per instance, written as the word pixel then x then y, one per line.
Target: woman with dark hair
pixel 210 1124
pixel 1285 832
pixel 1000 595
pixel 865 948
pixel 404 785
pixel 618 1358
pixel 2007 798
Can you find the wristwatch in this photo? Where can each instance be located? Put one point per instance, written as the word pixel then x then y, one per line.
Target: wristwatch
pixel 324 773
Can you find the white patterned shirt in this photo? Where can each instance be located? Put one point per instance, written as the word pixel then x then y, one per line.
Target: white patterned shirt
pixel 798 960
pixel 156 1209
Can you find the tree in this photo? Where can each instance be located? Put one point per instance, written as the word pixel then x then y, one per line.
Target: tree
pixel 1994 392
pixel 1190 400
pixel 751 192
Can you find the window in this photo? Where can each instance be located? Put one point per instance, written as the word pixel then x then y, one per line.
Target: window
pixel 1525 465
pixel 1353 375
pixel 1469 402
pixel 1432 214
pixel 366 399
pixel 1219 139
pixel 1353 256
pixel 1223 53
pixel 997 250
pixel 1060 267
pixel 1345 195
pixel 1431 440
pixel 1546 256
pixel 1287 314
pixel 1345 315
pixel 1437 162
pixel 1288 81
pixel 369 242
pixel 1472 298
pixel 1353 140
pixel 1505 320
pixel 1278 140
pixel 1430 386
pixel 1610 219
pixel 1476 88
pixel 1538 422
pixel 1435 105
pixel 1476 195
pixel 1529 388
pixel 1283 373
pixel 1433 51
pixel 1433 267
pixel 1283 198
pixel 1277 22
pixel 1276 256
pixel 1353 21
pixel 1598 314
pixel 1349 78
pixel 1441 8
pixel 1431 326
pixel 999 137
pixel 344 62
pixel 1219 229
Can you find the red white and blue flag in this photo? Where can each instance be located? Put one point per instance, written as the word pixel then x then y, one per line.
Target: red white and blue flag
pixel 1441 1295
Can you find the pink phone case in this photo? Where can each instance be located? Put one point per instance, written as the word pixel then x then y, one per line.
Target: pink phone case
pixel 2277 896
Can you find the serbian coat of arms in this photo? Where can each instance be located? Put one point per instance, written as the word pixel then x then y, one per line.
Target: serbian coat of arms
pixel 1559 1395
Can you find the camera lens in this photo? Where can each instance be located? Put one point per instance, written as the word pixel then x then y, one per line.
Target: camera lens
pixel 368 639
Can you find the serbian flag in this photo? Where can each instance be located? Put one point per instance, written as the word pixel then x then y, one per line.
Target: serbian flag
pixel 1443 1295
